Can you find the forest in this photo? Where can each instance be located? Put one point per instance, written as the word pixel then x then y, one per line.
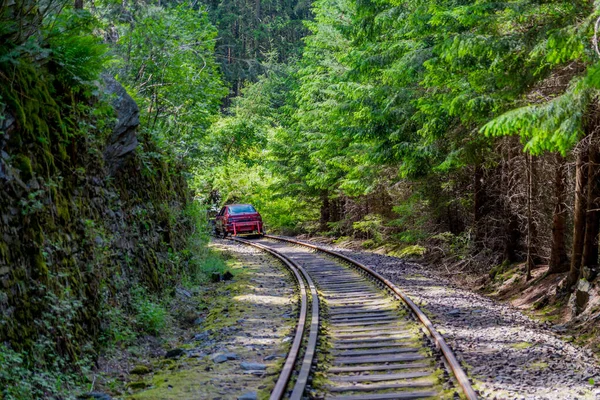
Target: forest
pixel 461 134
pixel 463 131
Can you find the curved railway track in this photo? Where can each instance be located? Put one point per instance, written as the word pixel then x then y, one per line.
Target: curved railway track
pixel 373 331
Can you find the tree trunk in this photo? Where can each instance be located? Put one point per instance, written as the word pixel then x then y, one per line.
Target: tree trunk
pixel 478 194
pixel 478 205
pixel 78 4
pixel 559 261
pixel 325 214
pixel 531 231
pixel 579 218
pixel 590 241
pixel 511 228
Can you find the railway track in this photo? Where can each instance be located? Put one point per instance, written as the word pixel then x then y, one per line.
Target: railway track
pixel 371 332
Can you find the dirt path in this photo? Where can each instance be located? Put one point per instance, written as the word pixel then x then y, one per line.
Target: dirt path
pixel 234 350
pixel 239 353
pixel 509 355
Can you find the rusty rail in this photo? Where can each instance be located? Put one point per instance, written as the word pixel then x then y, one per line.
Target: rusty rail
pixel 450 358
pixel 286 373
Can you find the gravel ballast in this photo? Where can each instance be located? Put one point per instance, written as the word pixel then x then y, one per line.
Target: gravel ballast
pixel 505 353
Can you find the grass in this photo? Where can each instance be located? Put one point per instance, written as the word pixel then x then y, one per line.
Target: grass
pixel 521 345
pixel 540 365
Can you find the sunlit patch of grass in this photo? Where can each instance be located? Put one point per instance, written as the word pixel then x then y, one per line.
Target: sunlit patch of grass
pixel 521 345
pixel 540 365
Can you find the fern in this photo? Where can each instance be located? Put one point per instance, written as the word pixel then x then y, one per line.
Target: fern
pixel 556 125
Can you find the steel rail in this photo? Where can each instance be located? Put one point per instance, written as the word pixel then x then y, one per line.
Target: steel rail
pixel 459 373
pixel 285 375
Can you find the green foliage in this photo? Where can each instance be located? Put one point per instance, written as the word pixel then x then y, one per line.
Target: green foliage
pixel 252 31
pixel 167 62
pixel 370 226
pixel 150 315
pixel 41 372
pixel 389 91
pixel 21 381
pixel 457 246
pixel 118 329
pixel 212 263
pixel 81 56
pixel 411 251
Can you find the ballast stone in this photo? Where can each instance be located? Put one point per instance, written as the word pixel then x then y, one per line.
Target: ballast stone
pixel 249 396
pixel 249 366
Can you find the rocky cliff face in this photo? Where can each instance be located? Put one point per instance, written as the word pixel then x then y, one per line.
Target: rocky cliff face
pixel 123 139
pixel 83 214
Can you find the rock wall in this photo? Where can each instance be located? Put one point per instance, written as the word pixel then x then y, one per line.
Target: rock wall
pixel 84 213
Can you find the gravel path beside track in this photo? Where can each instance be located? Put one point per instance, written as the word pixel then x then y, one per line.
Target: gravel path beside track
pixel 509 355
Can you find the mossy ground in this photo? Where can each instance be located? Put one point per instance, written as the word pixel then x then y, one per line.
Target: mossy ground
pixel 249 315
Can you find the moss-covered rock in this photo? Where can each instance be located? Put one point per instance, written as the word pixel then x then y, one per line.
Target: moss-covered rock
pixel 75 235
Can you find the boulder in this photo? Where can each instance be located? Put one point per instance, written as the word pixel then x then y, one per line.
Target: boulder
pixel 580 297
pixel 175 353
pixel 123 140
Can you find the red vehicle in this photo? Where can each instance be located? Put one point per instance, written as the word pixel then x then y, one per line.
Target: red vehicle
pixel 237 219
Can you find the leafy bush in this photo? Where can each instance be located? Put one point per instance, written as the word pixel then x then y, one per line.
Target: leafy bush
pixel 20 380
pixel 151 316
pixel 411 251
pixel 81 56
pixel 370 226
pixel 410 236
pixel 213 263
pixel 117 330
pixel 459 246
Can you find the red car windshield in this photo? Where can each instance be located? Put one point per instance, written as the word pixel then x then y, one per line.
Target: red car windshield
pixel 241 209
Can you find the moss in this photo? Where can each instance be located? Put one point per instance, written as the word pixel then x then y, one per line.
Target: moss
pixel 140 370
pixel 521 345
pixel 137 385
pixel 39 265
pixel 540 366
pixel 23 164
pixel 55 254
pixel 4 252
pixel 62 208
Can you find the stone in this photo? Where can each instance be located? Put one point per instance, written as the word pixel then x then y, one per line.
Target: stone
pixel 231 356
pixel 196 354
pixel 95 396
pixel 123 140
pixel 580 297
pixel 227 276
pixel 140 370
pixel 453 312
pixel 250 366
pixel 199 321
pixel 219 358
pixel 201 337
pixel 184 293
pixel 249 396
pixel 175 353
